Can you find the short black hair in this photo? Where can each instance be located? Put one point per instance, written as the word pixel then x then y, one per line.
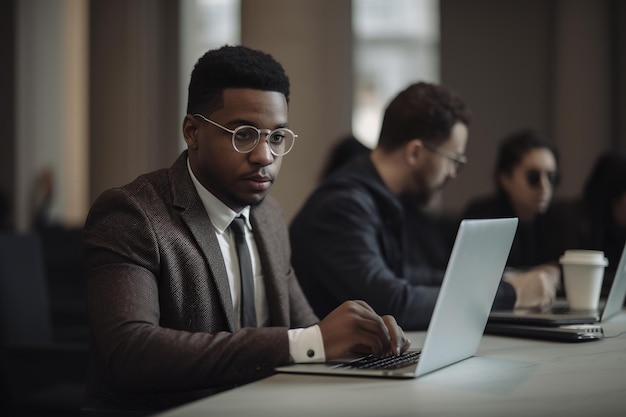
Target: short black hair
pixel 232 67
pixel 422 111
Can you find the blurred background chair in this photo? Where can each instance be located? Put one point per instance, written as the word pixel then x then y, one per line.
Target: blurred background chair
pixel 43 366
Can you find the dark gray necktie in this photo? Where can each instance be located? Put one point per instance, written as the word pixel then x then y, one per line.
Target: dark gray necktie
pixel 248 312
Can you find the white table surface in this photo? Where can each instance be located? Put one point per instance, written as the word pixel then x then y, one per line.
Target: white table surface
pixel 507 377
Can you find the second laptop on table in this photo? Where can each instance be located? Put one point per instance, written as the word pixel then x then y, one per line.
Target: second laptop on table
pixel 561 315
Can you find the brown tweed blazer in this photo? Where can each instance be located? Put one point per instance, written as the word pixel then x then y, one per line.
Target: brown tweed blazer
pixel 160 311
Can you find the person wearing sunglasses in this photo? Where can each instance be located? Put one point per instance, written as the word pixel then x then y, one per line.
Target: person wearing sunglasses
pixel 526 175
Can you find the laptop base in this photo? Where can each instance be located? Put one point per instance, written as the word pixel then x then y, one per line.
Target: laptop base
pixel 569 333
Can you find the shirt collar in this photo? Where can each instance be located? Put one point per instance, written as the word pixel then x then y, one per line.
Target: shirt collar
pixel 219 213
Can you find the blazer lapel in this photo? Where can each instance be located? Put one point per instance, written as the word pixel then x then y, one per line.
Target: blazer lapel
pixel 198 222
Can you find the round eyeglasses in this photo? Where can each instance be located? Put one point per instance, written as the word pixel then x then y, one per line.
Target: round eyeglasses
pixel 246 138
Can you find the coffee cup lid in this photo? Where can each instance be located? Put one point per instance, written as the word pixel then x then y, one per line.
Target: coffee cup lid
pixel 584 257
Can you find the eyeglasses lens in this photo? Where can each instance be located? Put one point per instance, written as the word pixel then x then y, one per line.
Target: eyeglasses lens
pixel 246 138
pixel 281 141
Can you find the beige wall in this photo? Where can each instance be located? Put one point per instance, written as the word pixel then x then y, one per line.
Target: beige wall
pixel 533 63
pixel 51 107
pixel 582 124
pixel 313 42
pixel 550 64
pixel 134 112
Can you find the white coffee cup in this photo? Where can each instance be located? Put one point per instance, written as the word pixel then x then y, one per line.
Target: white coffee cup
pixel 583 272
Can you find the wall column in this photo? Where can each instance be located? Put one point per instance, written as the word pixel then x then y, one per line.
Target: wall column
pixel 313 41
pixel 51 108
pixel 582 88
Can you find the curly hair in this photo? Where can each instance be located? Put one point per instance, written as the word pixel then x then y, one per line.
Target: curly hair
pixel 232 67
pixel 422 111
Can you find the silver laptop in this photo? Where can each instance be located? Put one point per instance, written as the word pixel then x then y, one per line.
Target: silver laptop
pixel 561 315
pixel 458 321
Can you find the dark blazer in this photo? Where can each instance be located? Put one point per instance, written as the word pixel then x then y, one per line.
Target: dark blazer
pixel 160 311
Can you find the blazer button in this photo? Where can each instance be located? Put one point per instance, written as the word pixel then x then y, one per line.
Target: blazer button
pixel 310 353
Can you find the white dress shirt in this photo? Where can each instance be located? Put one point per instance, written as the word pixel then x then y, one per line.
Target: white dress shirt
pixel 305 345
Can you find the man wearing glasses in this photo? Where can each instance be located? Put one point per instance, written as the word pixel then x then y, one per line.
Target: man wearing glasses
pixel 358 235
pixel 191 290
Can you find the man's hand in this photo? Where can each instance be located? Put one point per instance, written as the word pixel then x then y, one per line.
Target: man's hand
pixel 536 287
pixel 355 326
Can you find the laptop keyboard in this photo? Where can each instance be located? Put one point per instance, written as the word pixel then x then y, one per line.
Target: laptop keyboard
pixel 390 362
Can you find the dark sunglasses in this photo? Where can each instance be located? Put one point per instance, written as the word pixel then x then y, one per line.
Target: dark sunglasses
pixel 533 177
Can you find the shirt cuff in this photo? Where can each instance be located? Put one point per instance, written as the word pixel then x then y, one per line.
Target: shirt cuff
pixel 306 345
